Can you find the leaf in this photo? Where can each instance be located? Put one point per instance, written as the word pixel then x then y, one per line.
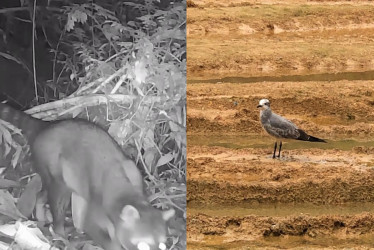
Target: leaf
pixel 8 139
pixel 8 207
pixel 89 246
pixel 125 44
pixel 165 159
pixel 29 238
pixel 179 138
pixel 149 157
pixel 16 155
pixel 5 183
pixel 120 130
pixel 149 138
pixel 8 230
pixel 140 71
pixel 174 127
pixel 26 203
pixel 76 112
pixel 7 149
pixel 74 16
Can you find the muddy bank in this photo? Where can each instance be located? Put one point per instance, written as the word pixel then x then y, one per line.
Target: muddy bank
pixel 233 194
pixel 293 37
pixel 237 3
pixel 248 176
pixel 233 183
pixel 240 172
pixel 290 232
pixel 248 227
pixel 329 109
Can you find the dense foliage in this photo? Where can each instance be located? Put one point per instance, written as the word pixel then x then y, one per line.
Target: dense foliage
pixel 128 57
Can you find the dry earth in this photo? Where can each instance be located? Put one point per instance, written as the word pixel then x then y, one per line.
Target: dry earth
pixel 331 109
pixel 249 177
pixel 279 37
pixel 232 191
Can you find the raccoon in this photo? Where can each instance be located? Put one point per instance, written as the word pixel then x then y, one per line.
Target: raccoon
pixel 77 157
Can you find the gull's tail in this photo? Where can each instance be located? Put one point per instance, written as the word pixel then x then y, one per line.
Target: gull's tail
pixel 315 139
pixel 305 137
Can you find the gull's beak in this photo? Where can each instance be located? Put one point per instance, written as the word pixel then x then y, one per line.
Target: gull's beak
pixel 259 106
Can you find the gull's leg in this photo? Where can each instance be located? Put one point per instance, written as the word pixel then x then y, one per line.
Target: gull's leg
pixel 275 149
pixel 280 148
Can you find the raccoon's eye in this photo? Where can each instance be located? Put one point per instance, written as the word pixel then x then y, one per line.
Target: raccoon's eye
pixel 143 246
pixel 162 246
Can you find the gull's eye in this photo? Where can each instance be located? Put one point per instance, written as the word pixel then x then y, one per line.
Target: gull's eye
pixel 143 246
pixel 162 246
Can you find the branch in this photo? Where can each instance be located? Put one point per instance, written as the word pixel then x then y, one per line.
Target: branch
pixel 15 9
pixel 50 111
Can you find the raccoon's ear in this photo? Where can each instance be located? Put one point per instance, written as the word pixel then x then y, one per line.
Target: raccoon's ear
pixel 129 214
pixel 166 215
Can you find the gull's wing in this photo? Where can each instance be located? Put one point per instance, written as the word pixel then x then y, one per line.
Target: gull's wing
pixel 280 127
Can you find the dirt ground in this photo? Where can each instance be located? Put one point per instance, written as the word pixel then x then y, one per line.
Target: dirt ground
pixel 279 37
pixel 232 191
pixel 236 177
pixel 330 109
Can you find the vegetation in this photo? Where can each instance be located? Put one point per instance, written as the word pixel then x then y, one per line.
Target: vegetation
pixel 122 65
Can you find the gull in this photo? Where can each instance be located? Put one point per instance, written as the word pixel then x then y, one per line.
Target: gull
pixel 281 128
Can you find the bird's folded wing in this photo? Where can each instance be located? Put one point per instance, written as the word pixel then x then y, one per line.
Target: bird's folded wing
pixel 281 127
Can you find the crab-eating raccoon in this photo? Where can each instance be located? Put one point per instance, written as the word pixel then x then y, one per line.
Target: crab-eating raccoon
pixel 76 156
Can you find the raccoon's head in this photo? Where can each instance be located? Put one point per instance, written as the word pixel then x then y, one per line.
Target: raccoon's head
pixel 142 227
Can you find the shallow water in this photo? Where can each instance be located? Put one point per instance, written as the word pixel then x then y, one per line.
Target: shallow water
pixel 281 209
pixel 304 242
pixel 288 242
pixel 351 76
pixel 252 141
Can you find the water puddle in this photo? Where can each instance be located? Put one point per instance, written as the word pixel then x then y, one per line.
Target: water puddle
pixel 259 141
pixel 280 210
pixel 305 242
pixel 351 76
pixel 288 242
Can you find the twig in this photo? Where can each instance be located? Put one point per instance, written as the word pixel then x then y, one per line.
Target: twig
pixel 33 52
pixel 164 196
pixel 2 11
pixel 110 78
pixel 87 86
pixel 119 83
pixel 39 111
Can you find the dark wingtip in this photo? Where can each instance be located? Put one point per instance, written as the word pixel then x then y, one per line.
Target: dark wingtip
pixel 305 137
pixel 315 139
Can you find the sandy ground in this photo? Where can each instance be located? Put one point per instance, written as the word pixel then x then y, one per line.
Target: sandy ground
pixel 279 37
pixel 233 191
pixel 329 109
pixel 249 176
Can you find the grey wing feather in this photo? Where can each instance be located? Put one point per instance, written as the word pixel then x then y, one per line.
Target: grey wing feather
pixel 281 127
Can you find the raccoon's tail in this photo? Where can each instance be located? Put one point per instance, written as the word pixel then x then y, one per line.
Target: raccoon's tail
pixel 29 126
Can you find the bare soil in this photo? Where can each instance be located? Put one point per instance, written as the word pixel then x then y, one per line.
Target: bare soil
pixel 327 109
pixel 257 38
pixel 296 232
pixel 237 177
pixel 223 176
pixel 279 37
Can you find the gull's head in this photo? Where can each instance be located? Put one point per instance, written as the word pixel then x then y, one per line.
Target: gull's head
pixel 264 104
